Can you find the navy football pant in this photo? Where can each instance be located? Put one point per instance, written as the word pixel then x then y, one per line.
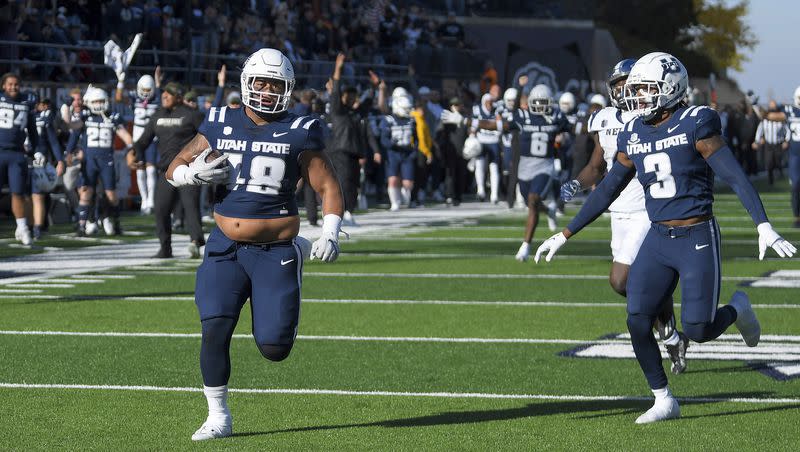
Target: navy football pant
pixel 14 172
pixel 691 253
pixel 231 272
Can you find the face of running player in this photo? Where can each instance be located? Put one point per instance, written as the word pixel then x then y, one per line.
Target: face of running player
pixel 11 86
pixel 617 89
pixel 269 86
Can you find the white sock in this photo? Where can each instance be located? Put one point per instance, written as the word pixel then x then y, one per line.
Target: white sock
pixel 217 398
pixel 405 196
pixel 141 181
pixel 662 394
pixel 672 340
pixel 480 176
pixel 494 180
pixel 394 195
pixel 151 185
pixel 22 223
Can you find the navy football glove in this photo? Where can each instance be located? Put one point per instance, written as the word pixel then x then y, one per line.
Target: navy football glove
pixel 569 189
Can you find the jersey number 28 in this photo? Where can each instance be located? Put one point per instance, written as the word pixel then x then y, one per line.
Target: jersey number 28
pixel 266 174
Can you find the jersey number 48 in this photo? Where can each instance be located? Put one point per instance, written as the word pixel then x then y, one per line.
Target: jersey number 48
pixel 266 174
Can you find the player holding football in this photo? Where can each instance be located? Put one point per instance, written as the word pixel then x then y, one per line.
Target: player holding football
pixel 254 251
pixel 672 149
pixel 629 220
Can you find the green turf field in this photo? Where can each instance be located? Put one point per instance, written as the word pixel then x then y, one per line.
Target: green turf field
pixel 431 340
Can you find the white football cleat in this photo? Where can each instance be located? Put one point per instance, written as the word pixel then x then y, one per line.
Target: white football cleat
pixel 91 228
pixel 394 208
pixel 108 226
pixel 23 234
pixel 746 321
pixel 524 252
pixel 663 409
pixel 347 219
pixel 211 430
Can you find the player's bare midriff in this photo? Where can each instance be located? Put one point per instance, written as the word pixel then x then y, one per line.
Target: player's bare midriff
pixel 258 230
pixel 686 221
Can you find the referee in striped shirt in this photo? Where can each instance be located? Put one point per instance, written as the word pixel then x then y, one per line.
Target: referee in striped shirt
pixel 773 136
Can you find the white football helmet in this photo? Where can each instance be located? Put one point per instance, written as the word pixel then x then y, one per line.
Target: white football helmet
pixel 540 100
pixel 566 103
pixel 146 87
pixel 797 97
pixel 401 106
pixel 598 99
pixel 472 148
pixel 510 98
pixel 96 99
pixel 658 81
pixel 266 64
pixel 44 177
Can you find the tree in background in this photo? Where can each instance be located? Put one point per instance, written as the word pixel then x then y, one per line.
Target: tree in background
pixel 707 35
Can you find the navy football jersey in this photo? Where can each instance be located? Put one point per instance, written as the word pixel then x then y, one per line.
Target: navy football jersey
pixel 484 136
pixel 397 134
pixel 265 160
pixel 48 139
pixel 537 133
pixel 17 121
pixel 508 116
pixel 97 133
pixel 677 181
pixel 143 109
pixel 793 120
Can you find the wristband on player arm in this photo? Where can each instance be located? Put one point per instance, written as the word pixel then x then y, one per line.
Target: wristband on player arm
pixel 602 196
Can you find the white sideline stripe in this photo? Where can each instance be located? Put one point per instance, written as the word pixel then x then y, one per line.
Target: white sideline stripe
pixel 151 267
pixel 29 297
pixel 71 281
pixel 41 286
pixel 476 340
pixel 484 276
pixel 512 239
pixel 164 272
pixel 341 392
pixel 103 276
pixel 26 291
pixel 564 304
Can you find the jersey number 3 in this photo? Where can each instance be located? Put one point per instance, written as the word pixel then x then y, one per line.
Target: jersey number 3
pixel 266 174
pixel 665 183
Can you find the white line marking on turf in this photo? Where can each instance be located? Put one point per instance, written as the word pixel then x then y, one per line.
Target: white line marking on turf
pixel 620 339
pixel 483 276
pixel 31 297
pixel 41 286
pixel 73 281
pixel 27 291
pixel 453 395
pixel 103 276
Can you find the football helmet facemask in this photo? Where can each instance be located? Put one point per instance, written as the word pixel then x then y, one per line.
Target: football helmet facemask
pixel 145 87
pixel 657 82
pixel 96 99
pixel 401 106
pixel 540 100
pixel 619 73
pixel 267 81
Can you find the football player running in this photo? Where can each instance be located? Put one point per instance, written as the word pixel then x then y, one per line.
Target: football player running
pixel 629 220
pixel 254 251
pixel 97 156
pixel 674 150
pixel 540 127
pixel 490 141
pixel 398 136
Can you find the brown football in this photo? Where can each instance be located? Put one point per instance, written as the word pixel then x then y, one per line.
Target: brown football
pixel 214 154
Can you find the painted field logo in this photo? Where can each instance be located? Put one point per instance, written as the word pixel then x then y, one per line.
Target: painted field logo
pixel 785 279
pixel 776 356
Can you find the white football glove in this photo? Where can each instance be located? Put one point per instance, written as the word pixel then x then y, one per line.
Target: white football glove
pixel 767 237
pixel 452 117
pixel 326 247
pixel 39 159
pixel 524 252
pixel 199 172
pixel 551 245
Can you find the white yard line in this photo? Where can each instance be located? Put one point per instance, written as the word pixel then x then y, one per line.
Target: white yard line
pixel 479 276
pixel 451 395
